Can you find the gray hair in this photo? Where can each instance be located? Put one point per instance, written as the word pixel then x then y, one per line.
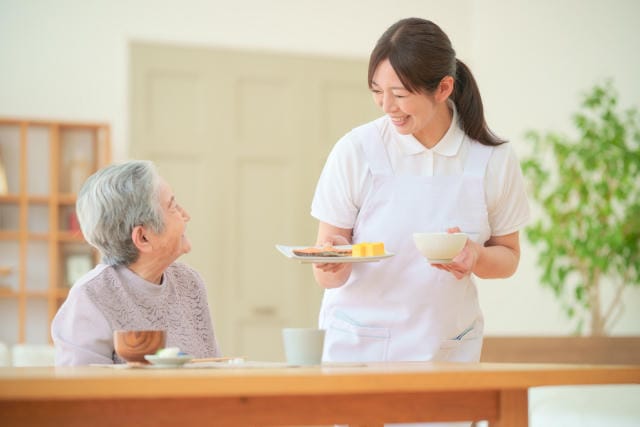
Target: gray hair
pixel 112 202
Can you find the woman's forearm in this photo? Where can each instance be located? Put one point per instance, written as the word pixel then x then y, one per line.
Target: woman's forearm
pixel 496 262
pixel 498 258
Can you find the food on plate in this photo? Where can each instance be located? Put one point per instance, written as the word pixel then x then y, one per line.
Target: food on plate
pixel 367 249
pixel 169 352
pixel 328 251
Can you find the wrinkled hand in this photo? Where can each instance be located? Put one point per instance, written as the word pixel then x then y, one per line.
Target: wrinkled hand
pixel 333 267
pixel 464 263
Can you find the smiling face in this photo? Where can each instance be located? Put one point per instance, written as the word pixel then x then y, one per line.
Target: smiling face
pixel 172 242
pixel 425 116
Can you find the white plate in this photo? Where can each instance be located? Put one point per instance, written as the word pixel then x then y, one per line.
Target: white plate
pixel 288 252
pixel 168 361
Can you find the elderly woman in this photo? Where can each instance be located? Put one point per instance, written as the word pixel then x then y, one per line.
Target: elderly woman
pixel 129 213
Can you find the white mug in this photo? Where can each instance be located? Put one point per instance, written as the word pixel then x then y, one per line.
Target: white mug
pixel 303 346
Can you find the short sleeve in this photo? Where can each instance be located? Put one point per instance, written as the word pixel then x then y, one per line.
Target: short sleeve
pixel 81 335
pixel 341 186
pixel 506 194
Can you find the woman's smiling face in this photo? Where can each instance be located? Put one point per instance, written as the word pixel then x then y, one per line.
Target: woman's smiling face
pixel 172 242
pixel 411 113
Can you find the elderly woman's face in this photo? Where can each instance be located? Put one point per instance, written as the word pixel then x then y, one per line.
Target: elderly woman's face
pixel 172 242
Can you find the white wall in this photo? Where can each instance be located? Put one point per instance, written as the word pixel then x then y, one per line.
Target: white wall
pixel 68 59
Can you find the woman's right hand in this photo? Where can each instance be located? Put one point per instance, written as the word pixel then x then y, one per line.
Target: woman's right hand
pixel 332 267
pixel 332 274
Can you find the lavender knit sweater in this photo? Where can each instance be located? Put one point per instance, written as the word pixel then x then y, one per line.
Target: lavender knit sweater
pixel 109 298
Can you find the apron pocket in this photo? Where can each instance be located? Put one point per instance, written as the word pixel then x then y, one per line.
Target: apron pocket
pixel 466 347
pixel 349 342
pixel 459 351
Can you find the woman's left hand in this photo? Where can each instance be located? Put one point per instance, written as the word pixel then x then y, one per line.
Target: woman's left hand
pixel 464 263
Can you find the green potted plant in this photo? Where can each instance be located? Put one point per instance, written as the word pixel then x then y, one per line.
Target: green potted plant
pixel 587 189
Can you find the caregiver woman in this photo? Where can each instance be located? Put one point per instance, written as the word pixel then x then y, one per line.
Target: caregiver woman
pixel 430 163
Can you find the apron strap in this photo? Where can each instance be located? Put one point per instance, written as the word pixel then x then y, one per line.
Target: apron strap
pixel 376 154
pixel 374 150
pixel 477 159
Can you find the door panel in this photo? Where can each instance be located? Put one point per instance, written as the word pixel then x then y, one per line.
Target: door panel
pixel 242 137
pixel 174 98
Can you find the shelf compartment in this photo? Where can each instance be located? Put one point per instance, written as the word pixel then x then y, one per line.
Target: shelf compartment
pixel 10 256
pixel 75 261
pixel 37 329
pixel 68 220
pixel 38 219
pixel 39 153
pixel 46 162
pixel 77 157
pixel 9 330
pixel 37 267
pixel 10 157
pixel 9 217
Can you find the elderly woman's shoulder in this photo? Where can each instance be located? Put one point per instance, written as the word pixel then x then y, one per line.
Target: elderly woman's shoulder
pixel 99 281
pixel 185 273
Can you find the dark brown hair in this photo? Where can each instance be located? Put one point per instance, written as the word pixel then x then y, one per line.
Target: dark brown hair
pixel 421 55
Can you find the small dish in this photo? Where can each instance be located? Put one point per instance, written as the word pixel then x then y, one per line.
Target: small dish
pixel 174 362
pixel 440 246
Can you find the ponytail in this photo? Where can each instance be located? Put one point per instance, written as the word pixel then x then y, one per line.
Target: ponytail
pixel 421 55
pixel 466 97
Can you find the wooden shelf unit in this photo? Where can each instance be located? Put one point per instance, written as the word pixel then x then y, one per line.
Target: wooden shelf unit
pixel 45 163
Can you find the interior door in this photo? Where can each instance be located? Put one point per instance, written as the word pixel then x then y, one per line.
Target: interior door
pixel 242 137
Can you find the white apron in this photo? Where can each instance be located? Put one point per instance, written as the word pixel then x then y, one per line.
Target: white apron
pixel 402 308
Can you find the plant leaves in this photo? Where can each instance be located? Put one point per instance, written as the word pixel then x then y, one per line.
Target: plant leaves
pixel 588 189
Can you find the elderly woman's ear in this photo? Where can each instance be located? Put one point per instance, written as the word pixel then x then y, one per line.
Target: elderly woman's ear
pixel 139 238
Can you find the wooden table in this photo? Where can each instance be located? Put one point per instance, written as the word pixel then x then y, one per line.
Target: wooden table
pixel 358 395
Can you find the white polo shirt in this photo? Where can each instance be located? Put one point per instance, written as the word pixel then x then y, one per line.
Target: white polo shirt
pixel 346 178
